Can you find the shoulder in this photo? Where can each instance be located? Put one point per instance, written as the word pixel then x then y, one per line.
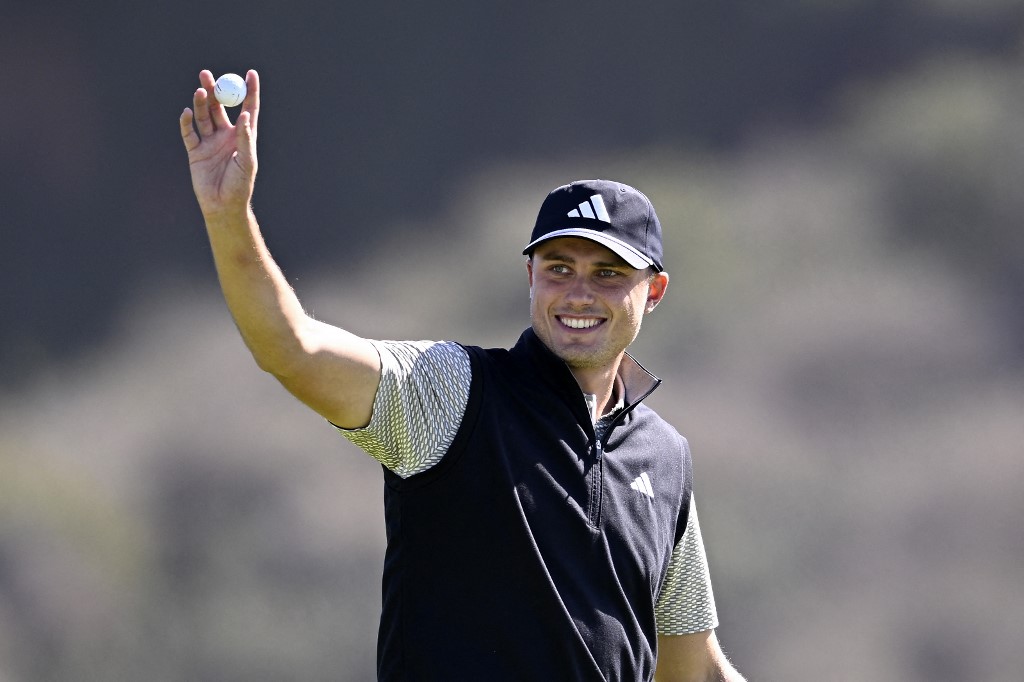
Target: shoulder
pixel 416 363
pixel 410 353
pixel 655 428
pixel 498 365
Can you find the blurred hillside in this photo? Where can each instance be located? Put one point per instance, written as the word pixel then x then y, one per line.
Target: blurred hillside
pixel 842 341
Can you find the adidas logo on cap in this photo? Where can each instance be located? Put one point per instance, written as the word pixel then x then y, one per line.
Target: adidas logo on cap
pixel 592 208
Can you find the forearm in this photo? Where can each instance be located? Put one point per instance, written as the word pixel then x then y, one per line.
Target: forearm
pixel 726 673
pixel 693 658
pixel 266 310
pixel 721 671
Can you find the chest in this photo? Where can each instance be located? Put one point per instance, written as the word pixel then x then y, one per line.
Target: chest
pixel 614 498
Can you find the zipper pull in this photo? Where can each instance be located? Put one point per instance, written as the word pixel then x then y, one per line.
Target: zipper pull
pixel 598 449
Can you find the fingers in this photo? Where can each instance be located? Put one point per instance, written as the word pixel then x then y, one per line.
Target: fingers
pixel 201 107
pixel 188 133
pixel 245 142
pixel 252 99
pixel 208 115
pixel 218 114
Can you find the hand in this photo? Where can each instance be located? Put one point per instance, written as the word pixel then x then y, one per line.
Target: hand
pixel 221 156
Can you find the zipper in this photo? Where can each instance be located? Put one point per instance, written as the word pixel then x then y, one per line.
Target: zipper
pixel 597 472
pixel 597 482
pixel 596 485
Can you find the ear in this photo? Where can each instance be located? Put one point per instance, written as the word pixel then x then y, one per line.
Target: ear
pixel 656 289
pixel 529 271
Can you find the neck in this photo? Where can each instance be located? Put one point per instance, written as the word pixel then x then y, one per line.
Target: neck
pixel 600 381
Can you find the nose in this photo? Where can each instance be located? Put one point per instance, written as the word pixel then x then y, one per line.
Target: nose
pixel 579 295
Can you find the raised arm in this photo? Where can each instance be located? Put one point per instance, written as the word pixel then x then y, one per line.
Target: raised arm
pixel 334 372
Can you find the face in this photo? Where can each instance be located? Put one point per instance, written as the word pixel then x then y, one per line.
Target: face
pixel 586 303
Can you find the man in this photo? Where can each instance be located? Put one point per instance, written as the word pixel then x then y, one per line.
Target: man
pixel 539 516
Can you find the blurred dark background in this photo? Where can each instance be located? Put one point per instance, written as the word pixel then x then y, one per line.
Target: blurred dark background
pixel 375 111
pixel 843 343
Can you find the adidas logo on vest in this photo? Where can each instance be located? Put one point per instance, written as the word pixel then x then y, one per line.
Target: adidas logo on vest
pixel 643 484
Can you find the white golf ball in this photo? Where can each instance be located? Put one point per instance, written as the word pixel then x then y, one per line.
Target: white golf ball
pixel 229 90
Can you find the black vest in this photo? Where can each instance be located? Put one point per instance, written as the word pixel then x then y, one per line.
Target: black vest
pixel 531 551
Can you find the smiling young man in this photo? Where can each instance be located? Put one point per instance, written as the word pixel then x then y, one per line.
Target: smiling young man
pixel 540 517
pixel 586 306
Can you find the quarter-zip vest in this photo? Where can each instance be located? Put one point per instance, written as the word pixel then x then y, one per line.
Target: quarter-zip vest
pixel 533 551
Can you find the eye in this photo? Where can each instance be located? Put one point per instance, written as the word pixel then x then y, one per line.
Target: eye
pixel 559 269
pixel 608 273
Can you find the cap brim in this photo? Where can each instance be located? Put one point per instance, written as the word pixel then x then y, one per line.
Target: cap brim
pixel 621 248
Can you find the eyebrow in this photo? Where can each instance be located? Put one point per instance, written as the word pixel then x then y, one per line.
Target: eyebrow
pixel 556 256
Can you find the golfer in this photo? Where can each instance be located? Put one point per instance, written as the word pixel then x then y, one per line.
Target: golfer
pixel 540 517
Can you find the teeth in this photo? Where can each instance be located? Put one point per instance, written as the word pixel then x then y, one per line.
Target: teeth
pixel 577 323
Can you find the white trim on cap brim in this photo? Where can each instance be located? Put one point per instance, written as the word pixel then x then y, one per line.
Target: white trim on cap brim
pixel 629 254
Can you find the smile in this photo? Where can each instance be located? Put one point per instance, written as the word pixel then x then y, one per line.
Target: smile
pixel 580 322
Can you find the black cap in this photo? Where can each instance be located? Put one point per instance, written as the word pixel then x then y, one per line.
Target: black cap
pixel 617 216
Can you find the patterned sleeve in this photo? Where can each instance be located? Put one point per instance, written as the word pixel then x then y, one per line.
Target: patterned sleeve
pixel 423 392
pixel 686 603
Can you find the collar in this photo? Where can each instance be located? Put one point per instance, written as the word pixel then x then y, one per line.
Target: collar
pixel 633 382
